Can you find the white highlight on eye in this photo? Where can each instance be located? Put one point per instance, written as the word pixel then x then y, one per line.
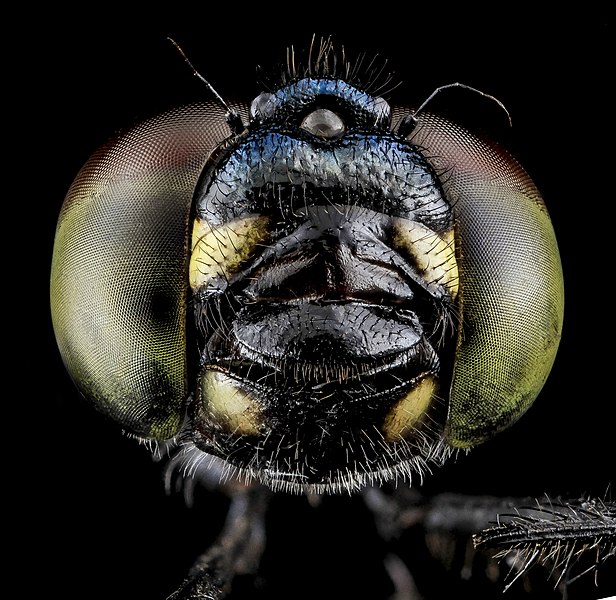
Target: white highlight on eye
pixel 218 251
pixel 434 253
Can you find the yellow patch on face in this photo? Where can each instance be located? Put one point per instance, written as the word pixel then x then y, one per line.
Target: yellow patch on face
pixel 218 251
pixel 408 411
pixel 235 410
pixel 434 253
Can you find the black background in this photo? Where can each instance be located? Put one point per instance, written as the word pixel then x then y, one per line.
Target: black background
pixel 96 522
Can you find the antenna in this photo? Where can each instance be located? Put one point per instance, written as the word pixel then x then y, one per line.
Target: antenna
pixel 233 118
pixel 410 120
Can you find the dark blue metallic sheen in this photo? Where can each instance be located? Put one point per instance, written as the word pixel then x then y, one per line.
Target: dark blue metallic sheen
pixel 300 96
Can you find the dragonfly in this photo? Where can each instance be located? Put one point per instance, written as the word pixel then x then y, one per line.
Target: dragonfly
pixel 321 293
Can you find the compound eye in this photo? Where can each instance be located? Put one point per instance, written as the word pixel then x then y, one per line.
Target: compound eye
pixel 323 123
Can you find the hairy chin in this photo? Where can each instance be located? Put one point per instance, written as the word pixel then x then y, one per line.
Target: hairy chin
pixel 187 466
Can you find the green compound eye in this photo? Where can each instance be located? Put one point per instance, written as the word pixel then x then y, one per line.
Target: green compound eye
pixel 317 299
pixel 511 283
pixel 119 270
